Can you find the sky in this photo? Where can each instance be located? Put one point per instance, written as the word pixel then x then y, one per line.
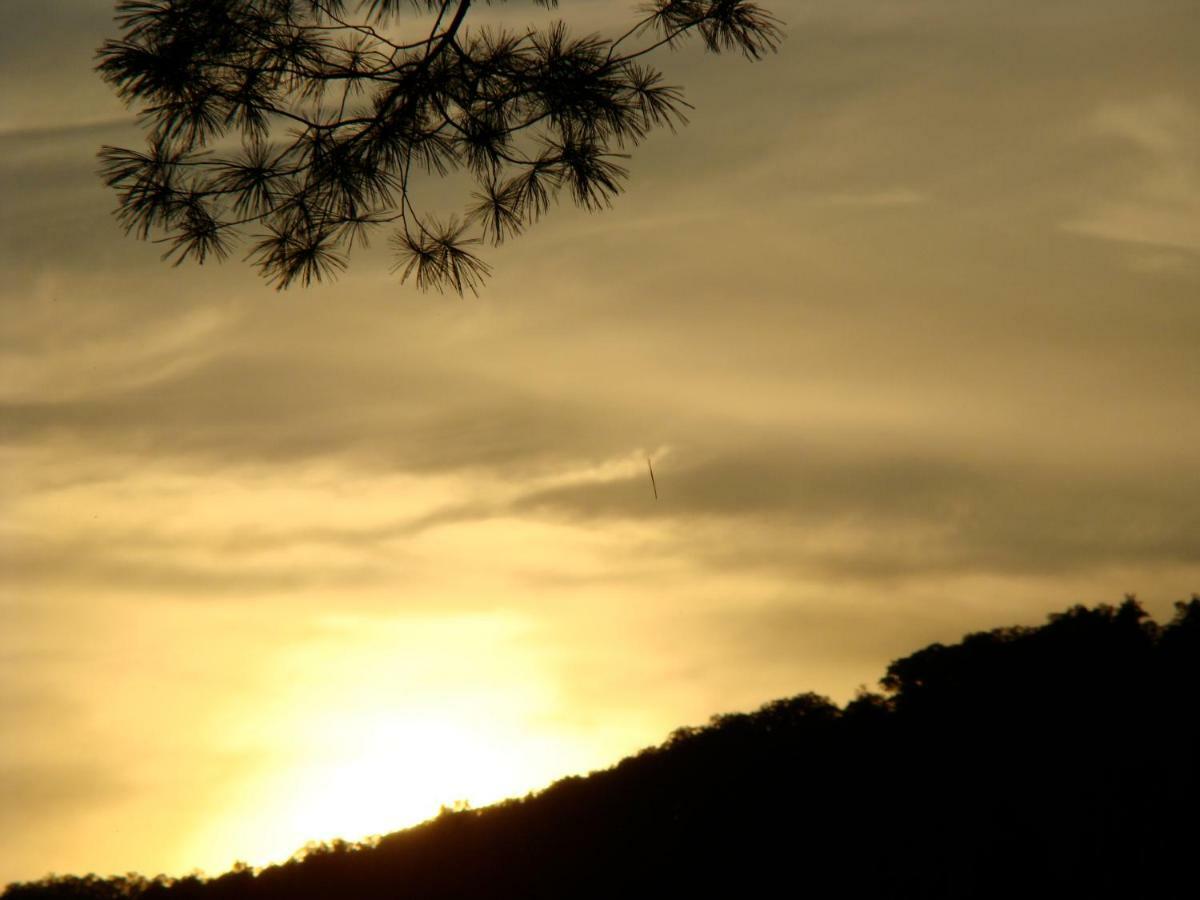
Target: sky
pixel 906 318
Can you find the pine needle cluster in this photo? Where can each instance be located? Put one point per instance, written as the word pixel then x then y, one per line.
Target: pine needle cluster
pixel 301 127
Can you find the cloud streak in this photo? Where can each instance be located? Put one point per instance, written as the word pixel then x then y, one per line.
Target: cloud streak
pixel 1161 205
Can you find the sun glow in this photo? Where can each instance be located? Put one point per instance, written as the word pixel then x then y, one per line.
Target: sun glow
pixel 381 773
pixel 350 750
pixel 404 770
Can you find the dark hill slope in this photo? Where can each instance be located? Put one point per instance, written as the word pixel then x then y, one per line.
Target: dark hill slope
pixel 1022 762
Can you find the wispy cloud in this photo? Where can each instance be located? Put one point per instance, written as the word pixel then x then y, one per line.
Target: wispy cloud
pixel 896 196
pixel 1157 202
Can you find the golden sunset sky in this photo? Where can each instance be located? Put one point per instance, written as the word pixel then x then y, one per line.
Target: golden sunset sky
pixel 908 318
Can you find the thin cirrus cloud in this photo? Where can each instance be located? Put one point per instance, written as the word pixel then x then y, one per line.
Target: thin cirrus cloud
pixel 1157 202
pixel 897 196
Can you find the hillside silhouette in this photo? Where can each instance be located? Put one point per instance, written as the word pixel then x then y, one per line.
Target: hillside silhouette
pixel 1057 761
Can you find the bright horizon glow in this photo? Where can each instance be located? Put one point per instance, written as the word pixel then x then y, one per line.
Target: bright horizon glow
pixel 408 768
pixel 347 757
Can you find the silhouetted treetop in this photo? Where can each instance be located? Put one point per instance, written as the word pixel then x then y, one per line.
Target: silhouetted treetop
pixel 1081 655
pixel 335 109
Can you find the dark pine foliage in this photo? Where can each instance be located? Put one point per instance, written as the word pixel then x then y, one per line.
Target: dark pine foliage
pixel 1058 761
pixel 305 125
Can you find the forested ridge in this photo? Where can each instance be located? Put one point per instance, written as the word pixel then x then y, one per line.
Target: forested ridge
pixel 1059 760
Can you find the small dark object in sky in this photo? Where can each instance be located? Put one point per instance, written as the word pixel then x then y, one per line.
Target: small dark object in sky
pixel 653 485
